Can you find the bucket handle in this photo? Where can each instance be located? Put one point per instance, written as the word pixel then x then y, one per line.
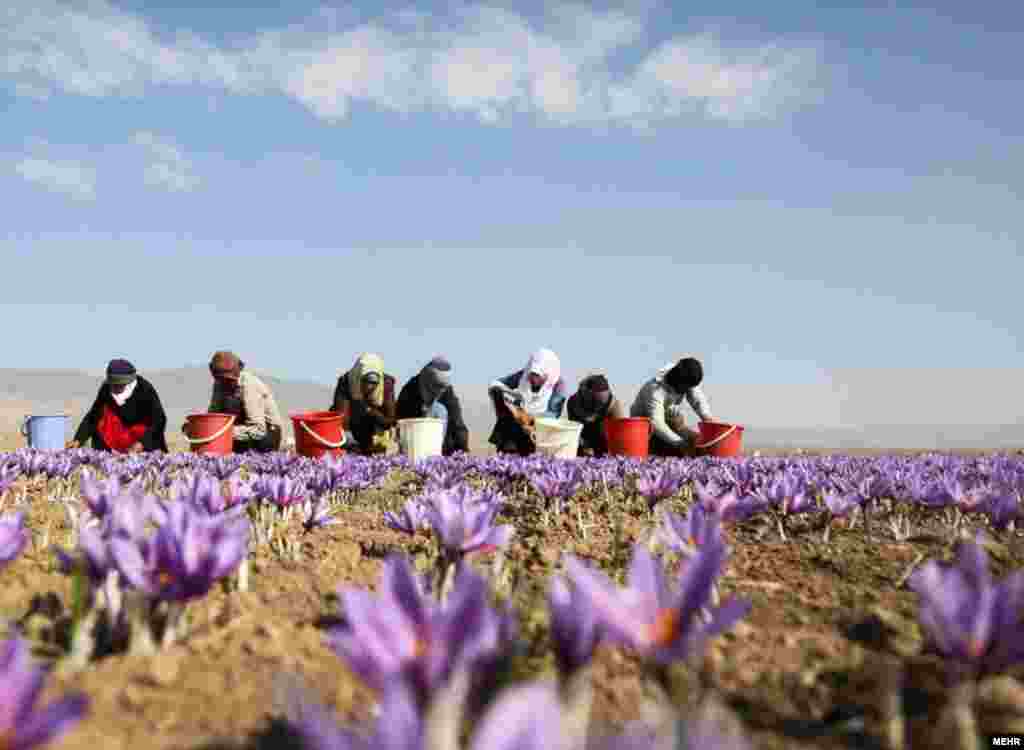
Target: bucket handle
pixel 317 438
pixel 214 436
pixel 24 425
pixel 715 441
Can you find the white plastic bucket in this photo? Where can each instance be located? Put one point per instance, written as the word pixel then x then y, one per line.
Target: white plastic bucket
pixel 558 437
pixel 45 431
pixel 420 438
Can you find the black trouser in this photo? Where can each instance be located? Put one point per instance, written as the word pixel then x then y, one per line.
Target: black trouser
pixel 592 438
pixel 270 442
pixel 658 447
pixel 510 437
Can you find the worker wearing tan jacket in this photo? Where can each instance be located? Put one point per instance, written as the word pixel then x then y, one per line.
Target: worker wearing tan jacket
pixel 258 426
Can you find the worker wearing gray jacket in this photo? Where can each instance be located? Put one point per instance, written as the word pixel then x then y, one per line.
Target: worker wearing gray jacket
pixel 661 401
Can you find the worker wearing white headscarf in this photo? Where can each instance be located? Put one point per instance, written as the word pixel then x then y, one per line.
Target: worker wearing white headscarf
pixel 535 391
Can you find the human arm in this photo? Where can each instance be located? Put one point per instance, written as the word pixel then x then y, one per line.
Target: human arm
pixel 557 401
pixel 409 404
pixel 699 403
pixel 158 421
pixel 340 401
pixel 457 432
pixel 383 417
pixel 507 400
pixel 255 405
pixel 653 406
pixel 572 410
pixel 503 391
pixel 616 410
pixel 87 427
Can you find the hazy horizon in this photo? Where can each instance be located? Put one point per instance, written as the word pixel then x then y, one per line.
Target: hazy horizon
pixel 185 390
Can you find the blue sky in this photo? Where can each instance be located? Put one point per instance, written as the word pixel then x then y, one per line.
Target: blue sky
pixel 790 192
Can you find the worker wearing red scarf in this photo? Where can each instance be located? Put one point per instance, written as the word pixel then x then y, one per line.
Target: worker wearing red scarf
pixel 126 417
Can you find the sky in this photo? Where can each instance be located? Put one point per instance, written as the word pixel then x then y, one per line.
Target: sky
pixel 795 192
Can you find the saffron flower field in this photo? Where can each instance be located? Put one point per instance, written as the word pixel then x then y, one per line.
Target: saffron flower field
pixel 496 603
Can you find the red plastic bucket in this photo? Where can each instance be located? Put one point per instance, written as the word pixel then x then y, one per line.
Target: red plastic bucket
pixel 319 433
pixel 629 436
pixel 720 440
pixel 211 433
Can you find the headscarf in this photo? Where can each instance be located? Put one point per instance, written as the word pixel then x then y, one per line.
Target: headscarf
pixel 684 374
pixel 120 372
pixel 543 362
pixel 367 364
pixel 434 379
pixel 595 393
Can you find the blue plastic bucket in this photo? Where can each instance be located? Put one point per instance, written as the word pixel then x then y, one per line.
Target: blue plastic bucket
pixel 46 432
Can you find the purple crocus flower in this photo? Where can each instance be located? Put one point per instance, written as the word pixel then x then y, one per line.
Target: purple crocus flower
pixel 557 481
pixel 840 505
pixel 8 476
pixel 185 556
pixel 463 519
pixel 22 725
pixel 13 536
pixel 403 632
pixel 655 486
pixel 970 618
pixel 684 535
pixel 575 630
pixel 1002 508
pixel 661 623
pixel 398 728
pixel 526 717
pixel 318 514
pixel 202 491
pixel 98 494
pixel 410 519
pixel 790 493
pixel 730 507
pixel 236 492
pixel 92 556
pixel 282 491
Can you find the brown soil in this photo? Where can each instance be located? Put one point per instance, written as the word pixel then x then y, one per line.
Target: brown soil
pixel 790 662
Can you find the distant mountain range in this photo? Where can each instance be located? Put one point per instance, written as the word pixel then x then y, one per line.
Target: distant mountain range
pixel 187 390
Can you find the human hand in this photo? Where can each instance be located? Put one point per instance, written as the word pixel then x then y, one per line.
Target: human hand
pixel 524 419
pixel 687 449
pixel 72 444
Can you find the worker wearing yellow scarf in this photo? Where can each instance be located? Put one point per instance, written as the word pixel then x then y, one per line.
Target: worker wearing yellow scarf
pixel 366 396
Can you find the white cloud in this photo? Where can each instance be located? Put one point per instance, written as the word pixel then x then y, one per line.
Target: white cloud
pixel 166 166
pixel 68 177
pixel 484 61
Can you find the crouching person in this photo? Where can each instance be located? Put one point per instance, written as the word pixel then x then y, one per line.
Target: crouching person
pixel 661 400
pixel 126 417
pixel 592 405
pixel 258 427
